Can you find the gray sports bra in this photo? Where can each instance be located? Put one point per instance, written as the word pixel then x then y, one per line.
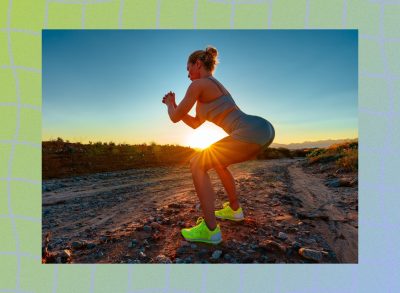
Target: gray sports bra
pixel 212 111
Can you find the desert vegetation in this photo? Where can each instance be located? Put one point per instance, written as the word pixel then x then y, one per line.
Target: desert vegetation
pixel 61 158
pixel 344 155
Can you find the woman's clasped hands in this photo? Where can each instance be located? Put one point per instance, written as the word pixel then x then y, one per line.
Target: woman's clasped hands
pixel 169 98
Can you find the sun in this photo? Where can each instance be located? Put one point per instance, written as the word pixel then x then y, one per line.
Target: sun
pixel 204 136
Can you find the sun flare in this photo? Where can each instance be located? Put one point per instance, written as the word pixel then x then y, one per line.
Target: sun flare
pixel 204 136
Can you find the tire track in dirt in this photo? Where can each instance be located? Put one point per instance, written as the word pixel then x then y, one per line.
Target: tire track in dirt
pixel 320 207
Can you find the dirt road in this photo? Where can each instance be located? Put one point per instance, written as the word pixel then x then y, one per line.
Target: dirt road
pixel 136 216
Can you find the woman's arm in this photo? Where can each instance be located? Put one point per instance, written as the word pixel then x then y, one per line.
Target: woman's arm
pixel 191 121
pixel 180 111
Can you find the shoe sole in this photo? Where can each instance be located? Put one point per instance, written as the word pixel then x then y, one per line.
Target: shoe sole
pixel 203 240
pixel 231 219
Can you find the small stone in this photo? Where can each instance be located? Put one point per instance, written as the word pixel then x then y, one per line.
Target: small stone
pixel 188 259
pixel 135 261
pixel 193 246
pixel 78 244
pixel 132 243
pixel 142 254
pixel 216 254
pixel 63 256
pixel 253 246
pixel 175 205
pixel 264 258
pixel 155 225
pixel 308 240
pixel 296 245
pixel 227 256
pixel 146 228
pixel 311 254
pixel 163 259
pixel 181 250
pixel 179 260
pixel 272 246
pixel 202 253
pixel 333 183
pixel 91 245
pixel 282 236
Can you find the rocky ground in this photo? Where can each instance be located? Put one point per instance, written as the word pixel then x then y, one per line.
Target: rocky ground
pixel 295 213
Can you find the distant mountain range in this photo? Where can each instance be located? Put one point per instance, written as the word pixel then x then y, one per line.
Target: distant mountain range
pixel 311 144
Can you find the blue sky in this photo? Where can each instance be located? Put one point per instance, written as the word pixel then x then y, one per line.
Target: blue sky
pixel 107 85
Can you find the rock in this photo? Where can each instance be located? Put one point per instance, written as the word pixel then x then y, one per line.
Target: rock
pixel 272 246
pixel 193 246
pixel 253 246
pixel 292 229
pixel 163 259
pixel 91 245
pixel 307 240
pixel 264 258
pixel 155 225
pixel 282 236
pixel 181 250
pixel 78 244
pixel 179 260
pixel 135 261
pixel 63 256
pixel 333 182
pixel 133 243
pixel 202 253
pixel 227 257
pixel 188 259
pixel 146 228
pixel 142 254
pixel 216 254
pixel 311 254
pixel 323 168
pixel 296 245
pixel 175 205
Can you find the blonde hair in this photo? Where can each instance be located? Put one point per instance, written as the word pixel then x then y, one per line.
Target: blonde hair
pixel 207 56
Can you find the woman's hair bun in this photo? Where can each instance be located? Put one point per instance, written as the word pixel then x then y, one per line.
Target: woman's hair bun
pixel 213 51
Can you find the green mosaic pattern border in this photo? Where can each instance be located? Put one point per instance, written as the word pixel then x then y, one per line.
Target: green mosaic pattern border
pixel 21 22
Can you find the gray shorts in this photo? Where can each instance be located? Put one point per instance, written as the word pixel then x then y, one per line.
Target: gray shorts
pixel 253 129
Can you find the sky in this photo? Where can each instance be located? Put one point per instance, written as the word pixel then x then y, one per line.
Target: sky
pixel 107 85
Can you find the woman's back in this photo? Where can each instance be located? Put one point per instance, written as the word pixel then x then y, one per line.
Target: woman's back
pixel 212 90
pixel 218 108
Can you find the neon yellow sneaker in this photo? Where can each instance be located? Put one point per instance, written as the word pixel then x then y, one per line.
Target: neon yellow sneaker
pixel 228 214
pixel 201 233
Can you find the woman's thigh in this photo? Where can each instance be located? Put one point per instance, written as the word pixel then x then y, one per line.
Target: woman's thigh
pixel 225 152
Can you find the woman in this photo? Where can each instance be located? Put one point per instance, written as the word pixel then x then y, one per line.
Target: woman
pixel 248 135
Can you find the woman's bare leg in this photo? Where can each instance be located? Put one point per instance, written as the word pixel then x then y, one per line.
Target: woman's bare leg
pixel 205 192
pixel 225 152
pixel 229 184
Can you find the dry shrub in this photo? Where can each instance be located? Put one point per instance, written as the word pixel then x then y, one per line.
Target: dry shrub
pixel 349 161
pixel 344 154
